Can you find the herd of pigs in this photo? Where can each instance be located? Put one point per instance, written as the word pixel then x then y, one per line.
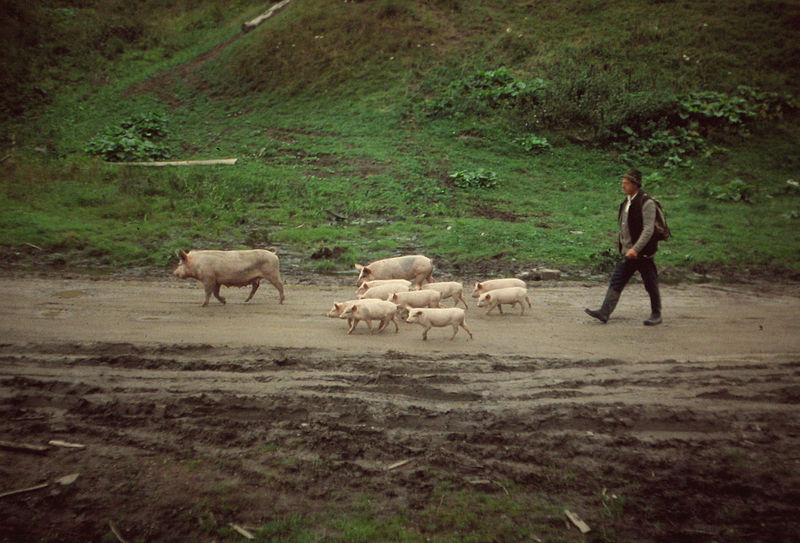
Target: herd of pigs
pixel 387 288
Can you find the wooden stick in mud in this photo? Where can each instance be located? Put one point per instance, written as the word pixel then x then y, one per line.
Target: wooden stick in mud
pixel 21 490
pixel 23 447
pixel 59 443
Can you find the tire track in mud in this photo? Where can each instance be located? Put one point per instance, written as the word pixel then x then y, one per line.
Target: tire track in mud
pixel 311 424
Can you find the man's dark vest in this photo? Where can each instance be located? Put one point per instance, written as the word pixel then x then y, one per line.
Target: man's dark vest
pixel 635 223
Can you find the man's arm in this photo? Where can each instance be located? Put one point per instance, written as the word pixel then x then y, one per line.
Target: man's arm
pixel 648 227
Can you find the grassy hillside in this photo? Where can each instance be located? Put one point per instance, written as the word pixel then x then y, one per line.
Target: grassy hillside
pixel 467 131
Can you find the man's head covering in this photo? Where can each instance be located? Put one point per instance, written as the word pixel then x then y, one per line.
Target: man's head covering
pixel 634 176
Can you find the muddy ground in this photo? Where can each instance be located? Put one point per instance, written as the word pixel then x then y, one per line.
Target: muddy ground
pixel 271 418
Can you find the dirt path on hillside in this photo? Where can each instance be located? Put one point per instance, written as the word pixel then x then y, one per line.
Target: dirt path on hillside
pixel 195 418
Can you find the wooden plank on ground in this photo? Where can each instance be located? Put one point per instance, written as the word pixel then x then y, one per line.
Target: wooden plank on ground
pixel 211 162
pixel 582 526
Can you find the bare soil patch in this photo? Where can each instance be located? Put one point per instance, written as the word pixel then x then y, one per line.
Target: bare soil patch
pixel 255 414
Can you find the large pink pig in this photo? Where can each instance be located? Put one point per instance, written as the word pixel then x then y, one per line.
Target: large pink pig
pixel 230 269
pixel 415 268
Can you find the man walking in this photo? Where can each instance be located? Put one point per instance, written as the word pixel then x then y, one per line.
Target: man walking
pixel 637 219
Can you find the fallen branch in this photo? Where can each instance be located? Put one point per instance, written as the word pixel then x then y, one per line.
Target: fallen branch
pixel 250 25
pixel 230 161
pixel 399 464
pixel 21 490
pixel 23 447
pixel 59 443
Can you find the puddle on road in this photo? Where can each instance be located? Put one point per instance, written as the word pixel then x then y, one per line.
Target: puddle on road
pixel 156 318
pixel 52 314
pixel 70 294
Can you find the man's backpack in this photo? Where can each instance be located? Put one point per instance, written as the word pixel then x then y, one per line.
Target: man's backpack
pixel 661 232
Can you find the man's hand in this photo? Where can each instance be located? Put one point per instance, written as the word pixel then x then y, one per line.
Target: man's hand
pixel 632 254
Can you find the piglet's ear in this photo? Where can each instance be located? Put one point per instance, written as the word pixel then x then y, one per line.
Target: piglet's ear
pixel 488 296
pixel 182 255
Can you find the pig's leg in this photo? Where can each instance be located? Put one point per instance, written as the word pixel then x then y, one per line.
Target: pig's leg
pixel 464 326
pixel 455 331
pixel 216 293
pixel 396 327
pixel 384 324
pixel 425 332
pixel 353 324
pixel 212 288
pixel 462 301
pixel 521 306
pixel 369 323
pixel 529 301
pixel 276 282
pixel 255 284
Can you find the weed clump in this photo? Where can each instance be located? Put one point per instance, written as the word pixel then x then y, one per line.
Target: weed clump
pixel 139 138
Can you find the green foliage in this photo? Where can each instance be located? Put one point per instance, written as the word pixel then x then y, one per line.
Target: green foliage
pixel 734 112
pixel 486 90
pixel 533 143
pixel 735 191
pixel 672 146
pixel 474 179
pixel 348 117
pixel 605 261
pixel 134 139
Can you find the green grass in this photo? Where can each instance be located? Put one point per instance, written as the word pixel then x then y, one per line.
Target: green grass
pixel 327 106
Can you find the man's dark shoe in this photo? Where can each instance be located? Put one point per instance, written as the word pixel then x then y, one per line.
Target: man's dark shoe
pixel 654 319
pixel 609 303
pixel 599 315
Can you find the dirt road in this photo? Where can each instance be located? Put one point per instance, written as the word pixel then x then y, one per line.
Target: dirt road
pixel 701 321
pixel 271 418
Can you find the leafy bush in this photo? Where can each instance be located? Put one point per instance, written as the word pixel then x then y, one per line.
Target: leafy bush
pixel 732 113
pixel 486 90
pixel 134 139
pixel 533 143
pixel 735 191
pixel 481 178
pixel 672 146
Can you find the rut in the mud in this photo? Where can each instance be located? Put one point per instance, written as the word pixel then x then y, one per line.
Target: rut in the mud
pixel 182 436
